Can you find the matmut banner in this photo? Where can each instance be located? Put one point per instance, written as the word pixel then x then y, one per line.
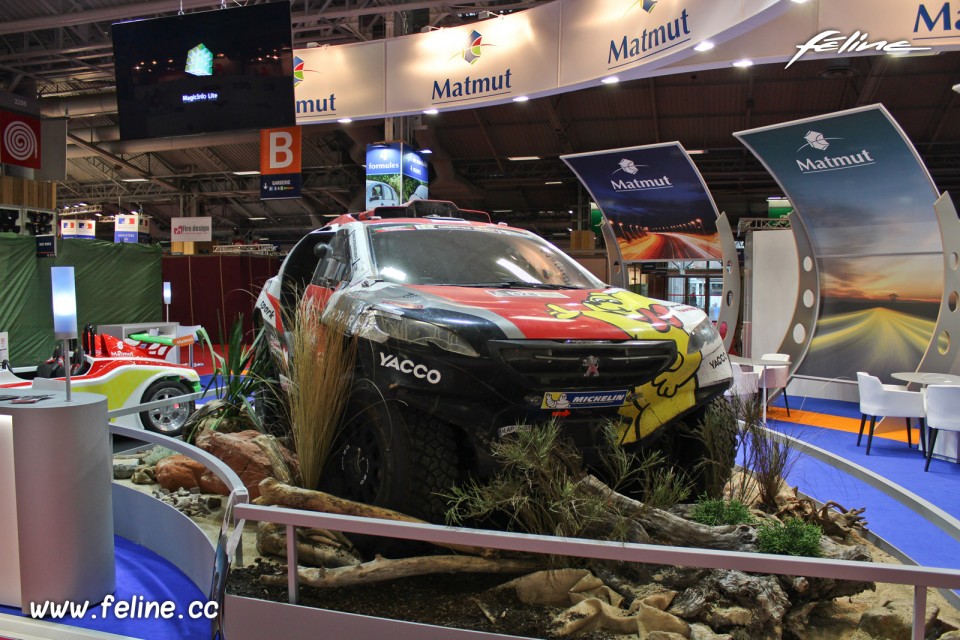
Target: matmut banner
pixel 19 139
pixel 654 200
pixel 865 199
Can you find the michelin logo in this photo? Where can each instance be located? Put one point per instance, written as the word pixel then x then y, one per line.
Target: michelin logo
pixel 583 399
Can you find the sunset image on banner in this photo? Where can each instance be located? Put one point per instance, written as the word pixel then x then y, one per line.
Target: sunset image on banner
pixel 877 311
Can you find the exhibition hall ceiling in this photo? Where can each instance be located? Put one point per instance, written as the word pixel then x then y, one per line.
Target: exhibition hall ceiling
pixel 60 51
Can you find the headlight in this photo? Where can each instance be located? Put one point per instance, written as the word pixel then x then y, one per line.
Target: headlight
pixel 378 325
pixel 702 335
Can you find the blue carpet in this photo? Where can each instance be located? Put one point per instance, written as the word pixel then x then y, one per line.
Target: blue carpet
pixel 142 573
pixel 925 543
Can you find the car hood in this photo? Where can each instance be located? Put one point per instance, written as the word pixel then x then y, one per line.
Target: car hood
pixel 541 314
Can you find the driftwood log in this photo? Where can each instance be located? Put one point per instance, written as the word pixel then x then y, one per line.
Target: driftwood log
pixel 315 547
pixel 273 492
pixel 671 529
pixel 382 569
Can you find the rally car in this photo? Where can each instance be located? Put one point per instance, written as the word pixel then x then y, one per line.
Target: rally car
pixel 128 374
pixel 468 331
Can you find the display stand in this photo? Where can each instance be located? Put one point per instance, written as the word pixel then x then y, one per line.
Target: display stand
pixel 56 511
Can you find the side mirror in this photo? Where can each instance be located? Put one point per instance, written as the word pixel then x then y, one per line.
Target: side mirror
pixel 321 250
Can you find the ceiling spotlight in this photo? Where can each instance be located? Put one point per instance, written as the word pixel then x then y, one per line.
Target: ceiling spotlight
pixel 610 80
pixel 246 173
pixel 256 219
pixel 553 182
pixel 743 64
pixel 706 45
pixel 426 151
pixel 956 88
pixel 345 120
pixel 431 112
pixel 521 99
pixel 134 180
pixel 522 158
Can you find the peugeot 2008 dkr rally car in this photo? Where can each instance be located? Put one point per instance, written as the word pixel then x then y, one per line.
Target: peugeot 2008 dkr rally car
pixel 468 331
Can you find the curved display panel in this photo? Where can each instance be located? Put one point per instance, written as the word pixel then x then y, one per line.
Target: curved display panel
pixel 864 202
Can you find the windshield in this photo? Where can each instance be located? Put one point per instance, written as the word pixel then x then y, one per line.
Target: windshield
pixel 463 255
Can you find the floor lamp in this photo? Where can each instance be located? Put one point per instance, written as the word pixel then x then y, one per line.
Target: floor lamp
pixel 167 297
pixel 64 312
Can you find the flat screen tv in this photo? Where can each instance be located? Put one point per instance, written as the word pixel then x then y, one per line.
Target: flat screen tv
pixel 204 72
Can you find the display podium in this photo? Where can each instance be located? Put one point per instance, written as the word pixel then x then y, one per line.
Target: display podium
pixel 56 509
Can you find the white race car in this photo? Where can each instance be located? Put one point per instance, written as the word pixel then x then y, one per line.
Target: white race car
pixel 127 374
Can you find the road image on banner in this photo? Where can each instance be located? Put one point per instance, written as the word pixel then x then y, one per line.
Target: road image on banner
pixel 866 202
pixel 655 200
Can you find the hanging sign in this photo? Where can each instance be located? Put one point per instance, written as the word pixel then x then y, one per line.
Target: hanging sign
pixel 191 229
pixel 654 200
pixel 19 139
pixel 280 151
pixel 78 229
pixel 131 228
pixel 396 173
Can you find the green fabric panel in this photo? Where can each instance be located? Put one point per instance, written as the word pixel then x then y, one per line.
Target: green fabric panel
pixel 27 320
pixel 116 283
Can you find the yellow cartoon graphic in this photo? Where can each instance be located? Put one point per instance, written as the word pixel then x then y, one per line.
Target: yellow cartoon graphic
pixel 669 393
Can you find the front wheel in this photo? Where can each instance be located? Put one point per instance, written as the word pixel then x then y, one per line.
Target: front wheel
pixel 170 419
pixel 393 457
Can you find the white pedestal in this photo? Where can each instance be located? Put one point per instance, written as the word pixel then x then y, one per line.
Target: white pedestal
pixel 56 510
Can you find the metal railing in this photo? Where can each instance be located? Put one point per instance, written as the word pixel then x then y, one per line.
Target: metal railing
pixel 920 578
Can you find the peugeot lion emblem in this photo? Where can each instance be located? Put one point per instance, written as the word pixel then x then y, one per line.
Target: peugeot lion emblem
pixel 592 364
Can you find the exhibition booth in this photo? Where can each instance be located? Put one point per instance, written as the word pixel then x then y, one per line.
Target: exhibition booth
pixel 862 276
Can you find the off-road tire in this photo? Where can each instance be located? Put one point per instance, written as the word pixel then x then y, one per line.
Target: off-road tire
pixel 169 420
pixel 389 456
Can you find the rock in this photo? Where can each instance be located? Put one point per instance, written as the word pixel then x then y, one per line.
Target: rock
pixel 950 635
pixel 664 635
pixel 211 483
pixel 178 471
pixel 724 599
pixel 124 468
pixel 188 501
pixel 894 620
pixel 242 455
pixel 144 475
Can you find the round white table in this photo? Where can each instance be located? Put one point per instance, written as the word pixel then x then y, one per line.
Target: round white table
pixel 761 365
pixel 919 377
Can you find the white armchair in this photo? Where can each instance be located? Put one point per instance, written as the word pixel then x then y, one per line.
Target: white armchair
pixel 777 377
pixel 890 401
pixel 942 411
pixel 745 383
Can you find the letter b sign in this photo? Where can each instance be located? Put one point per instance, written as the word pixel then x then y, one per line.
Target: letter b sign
pixel 280 150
